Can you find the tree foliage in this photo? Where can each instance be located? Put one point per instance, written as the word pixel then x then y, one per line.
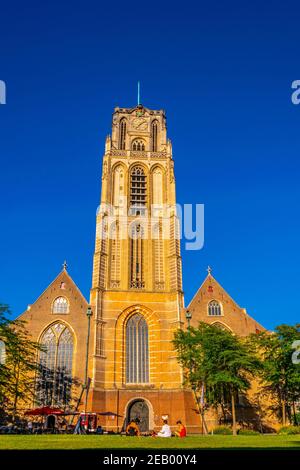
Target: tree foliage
pixel 280 376
pixel 17 372
pixel 216 360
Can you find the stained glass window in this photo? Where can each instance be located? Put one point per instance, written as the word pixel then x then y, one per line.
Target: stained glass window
pixel 137 350
pixel 55 378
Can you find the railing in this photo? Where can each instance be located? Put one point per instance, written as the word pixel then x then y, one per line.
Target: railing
pixel 137 285
pixel 137 154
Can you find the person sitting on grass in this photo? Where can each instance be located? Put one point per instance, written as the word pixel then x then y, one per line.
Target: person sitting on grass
pixel 181 431
pixel 165 430
pixel 132 428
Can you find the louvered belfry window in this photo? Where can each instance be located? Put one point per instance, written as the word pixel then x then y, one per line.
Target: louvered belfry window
pixel 138 187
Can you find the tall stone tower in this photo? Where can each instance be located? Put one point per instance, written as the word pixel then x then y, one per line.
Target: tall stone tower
pixel 136 293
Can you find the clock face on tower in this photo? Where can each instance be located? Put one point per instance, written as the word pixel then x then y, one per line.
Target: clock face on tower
pixel 139 124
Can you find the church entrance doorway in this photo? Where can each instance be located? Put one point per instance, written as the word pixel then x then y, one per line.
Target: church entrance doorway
pixel 50 423
pixel 139 410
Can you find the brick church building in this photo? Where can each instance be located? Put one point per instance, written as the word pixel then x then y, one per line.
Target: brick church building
pixel 136 296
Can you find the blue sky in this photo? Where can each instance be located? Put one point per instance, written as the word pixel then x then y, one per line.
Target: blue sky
pixel 223 72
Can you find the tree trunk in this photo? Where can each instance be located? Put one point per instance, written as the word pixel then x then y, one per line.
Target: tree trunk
pixel 283 413
pixel 16 393
pixel 259 415
pixel 295 414
pixel 201 413
pixel 223 411
pixel 234 432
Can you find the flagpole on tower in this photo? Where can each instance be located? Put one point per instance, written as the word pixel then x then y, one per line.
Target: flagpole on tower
pixel 138 93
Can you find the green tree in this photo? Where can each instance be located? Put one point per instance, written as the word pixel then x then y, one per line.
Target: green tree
pixel 280 376
pixel 17 373
pixel 218 361
pixel 4 372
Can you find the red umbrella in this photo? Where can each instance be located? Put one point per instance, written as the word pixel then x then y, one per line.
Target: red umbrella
pixel 109 413
pixel 45 411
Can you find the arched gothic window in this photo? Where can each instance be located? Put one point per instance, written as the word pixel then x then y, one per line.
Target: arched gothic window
pixel 60 305
pixel 118 186
pixel 2 352
pixel 221 326
pixel 158 258
pixel 154 136
pixel 115 255
pixel 214 309
pixel 138 145
pixel 138 187
pixel 54 380
pixel 122 134
pixel 137 350
pixel 157 186
pixel 137 256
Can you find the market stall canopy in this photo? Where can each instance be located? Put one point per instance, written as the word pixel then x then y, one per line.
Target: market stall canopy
pixel 109 413
pixel 45 411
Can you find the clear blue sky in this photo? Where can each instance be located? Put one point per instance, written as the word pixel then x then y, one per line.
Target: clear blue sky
pixel 223 72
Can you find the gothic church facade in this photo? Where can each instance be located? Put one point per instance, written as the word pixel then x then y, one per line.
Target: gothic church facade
pixel 136 295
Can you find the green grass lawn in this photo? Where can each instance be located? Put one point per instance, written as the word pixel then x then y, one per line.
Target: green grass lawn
pixel 20 442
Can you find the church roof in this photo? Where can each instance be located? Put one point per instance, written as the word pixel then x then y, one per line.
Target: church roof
pixel 232 315
pixel 62 277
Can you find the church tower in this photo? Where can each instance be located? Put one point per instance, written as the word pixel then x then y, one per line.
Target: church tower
pixel 136 293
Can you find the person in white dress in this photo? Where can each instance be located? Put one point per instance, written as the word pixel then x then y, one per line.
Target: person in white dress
pixel 165 430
